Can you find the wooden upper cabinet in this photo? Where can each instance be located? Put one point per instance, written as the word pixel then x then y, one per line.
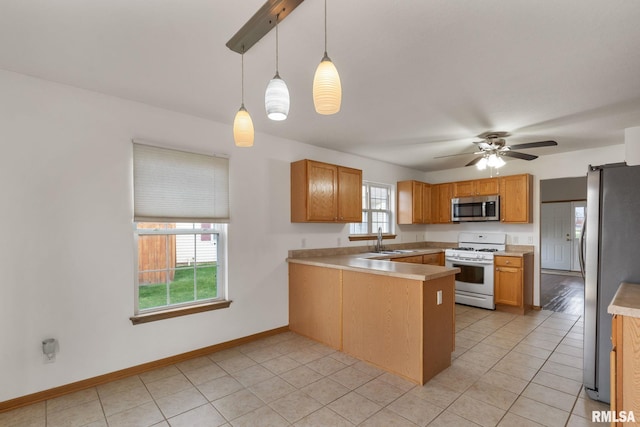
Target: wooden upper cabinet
pixel 441 203
pixel 413 202
pixel 322 192
pixel 487 186
pixel 349 195
pixel 478 187
pixel 516 192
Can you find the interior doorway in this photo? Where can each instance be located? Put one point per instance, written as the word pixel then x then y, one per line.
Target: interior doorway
pixel 562 215
pixel 560 227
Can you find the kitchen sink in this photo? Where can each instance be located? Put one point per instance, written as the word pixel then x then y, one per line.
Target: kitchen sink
pixel 394 252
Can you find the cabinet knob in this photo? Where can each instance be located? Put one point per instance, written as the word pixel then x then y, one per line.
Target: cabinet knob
pixel 508 262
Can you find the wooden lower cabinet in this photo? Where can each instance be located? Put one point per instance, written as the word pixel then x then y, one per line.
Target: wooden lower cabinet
pixel 396 323
pixel 625 367
pixel 431 259
pixel 315 303
pixel 513 283
pixel 391 322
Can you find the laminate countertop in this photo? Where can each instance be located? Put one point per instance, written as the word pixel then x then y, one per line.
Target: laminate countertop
pixel 381 264
pixel 626 302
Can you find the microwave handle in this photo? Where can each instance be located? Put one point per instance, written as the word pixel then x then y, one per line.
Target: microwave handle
pixel 484 209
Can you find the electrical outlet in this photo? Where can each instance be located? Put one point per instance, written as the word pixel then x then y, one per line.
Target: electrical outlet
pixel 339 242
pixel 439 297
pixel 303 244
pixel 531 240
pixel 516 240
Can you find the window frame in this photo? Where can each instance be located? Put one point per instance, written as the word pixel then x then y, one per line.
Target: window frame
pixel 188 307
pixel 366 190
pixel 188 180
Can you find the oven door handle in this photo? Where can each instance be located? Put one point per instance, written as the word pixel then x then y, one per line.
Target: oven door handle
pixel 470 262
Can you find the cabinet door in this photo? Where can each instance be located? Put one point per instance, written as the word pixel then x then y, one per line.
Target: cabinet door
pixel 508 286
pixel 487 187
pixel 426 204
pixel 322 192
pixel 413 202
pixel 442 200
pixel 464 189
pixel 515 198
pixel 417 208
pixel 614 372
pixel 349 195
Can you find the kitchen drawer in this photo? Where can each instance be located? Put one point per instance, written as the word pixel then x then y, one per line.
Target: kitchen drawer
pixel 433 259
pixel 508 261
pixel 414 259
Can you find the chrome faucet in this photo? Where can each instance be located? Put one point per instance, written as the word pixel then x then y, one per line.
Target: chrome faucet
pixel 379 244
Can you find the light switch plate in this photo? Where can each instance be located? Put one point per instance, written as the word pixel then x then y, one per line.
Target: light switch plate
pixel 439 297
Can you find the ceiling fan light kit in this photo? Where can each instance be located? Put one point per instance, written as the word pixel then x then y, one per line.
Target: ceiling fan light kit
pixel 493 148
pixel 327 88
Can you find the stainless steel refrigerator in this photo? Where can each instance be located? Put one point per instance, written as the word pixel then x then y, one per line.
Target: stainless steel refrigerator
pixel 610 242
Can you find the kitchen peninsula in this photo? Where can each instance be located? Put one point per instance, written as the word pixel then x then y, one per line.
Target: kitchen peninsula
pixel 398 316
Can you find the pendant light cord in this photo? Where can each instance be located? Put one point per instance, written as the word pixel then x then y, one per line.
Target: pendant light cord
pixel 242 74
pixel 277 19
pixel 325 27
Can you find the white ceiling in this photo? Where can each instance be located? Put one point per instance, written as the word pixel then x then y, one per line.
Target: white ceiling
pixel 420 78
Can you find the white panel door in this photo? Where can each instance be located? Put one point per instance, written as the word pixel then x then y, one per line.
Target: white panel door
pixel 556 236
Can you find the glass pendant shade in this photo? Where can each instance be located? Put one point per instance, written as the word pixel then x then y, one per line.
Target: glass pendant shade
pixel 492 161
pixel 243 128
pixel 499 162
pixel 276 99
pixel 327 91
pixel 482 164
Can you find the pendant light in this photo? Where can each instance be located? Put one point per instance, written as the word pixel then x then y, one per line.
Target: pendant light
pixel 242 124
pixel 276 97
pixel 327 91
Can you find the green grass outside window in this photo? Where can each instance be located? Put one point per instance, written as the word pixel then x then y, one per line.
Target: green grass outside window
pixel 181 289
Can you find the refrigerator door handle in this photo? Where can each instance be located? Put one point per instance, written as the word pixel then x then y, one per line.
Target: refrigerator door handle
pixel 583 232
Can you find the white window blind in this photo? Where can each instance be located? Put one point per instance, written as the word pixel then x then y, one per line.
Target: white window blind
pixel 176 186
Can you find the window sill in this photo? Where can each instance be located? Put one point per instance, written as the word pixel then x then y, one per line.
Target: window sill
pixel 358 237
pixel 176 312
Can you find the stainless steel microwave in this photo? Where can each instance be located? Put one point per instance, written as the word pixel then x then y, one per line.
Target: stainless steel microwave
pixel 479 208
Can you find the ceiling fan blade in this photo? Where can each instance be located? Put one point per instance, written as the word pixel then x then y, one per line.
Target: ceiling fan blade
pixel 453 155
pixel 474 161
pixel 519 155
pixel 533 145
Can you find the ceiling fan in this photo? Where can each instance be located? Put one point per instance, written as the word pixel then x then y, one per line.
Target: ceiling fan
pixel 493 147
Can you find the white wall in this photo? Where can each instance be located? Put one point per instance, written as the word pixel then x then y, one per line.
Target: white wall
pixel 560 165
pixel 67 251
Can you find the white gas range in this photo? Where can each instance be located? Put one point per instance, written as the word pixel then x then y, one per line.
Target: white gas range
pixel 474 258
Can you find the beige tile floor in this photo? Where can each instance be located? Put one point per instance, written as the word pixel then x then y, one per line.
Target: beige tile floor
pixel 507 370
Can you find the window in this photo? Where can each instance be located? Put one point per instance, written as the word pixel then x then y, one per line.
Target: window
pixel 180 213
pixel 376 210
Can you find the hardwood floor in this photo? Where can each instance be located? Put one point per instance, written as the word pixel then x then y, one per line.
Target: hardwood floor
pixel 562 293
